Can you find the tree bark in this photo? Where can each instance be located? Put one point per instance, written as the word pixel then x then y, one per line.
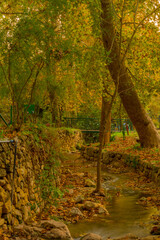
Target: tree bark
pixel 146 130
pixel 105 120
pixel 104 136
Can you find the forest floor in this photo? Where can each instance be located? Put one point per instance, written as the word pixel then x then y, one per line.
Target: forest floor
pixel 75 170
pixel 129 145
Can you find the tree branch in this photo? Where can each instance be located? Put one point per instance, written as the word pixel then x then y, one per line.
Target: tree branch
pixel 40 66
pixel 26 82
pixel 135 30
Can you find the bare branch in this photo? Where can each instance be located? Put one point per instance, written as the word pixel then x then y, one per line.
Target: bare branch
pixel 131 74
pixel 106 91
pixel 40 66
pixel 30 75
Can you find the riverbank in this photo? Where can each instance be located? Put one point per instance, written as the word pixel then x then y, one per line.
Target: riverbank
pixel 75 172
pixel 77 180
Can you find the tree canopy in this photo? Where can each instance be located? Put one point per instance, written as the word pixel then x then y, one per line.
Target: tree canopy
pixel 52 55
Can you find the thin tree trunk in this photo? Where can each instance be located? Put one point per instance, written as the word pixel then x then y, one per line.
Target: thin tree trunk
pixel 104 120
pixel 147 132
pixel 98 186
pixel 120 116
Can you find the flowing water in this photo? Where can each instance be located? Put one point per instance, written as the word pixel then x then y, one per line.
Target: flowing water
pixel 126 215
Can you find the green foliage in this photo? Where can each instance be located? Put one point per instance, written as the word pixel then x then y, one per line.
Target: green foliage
pixel 128 159
pixel 66 37
pixel 91 137
pixel 137 147
pixel 1 134
pixel 156 149
pixel 135 162
pixel 131 160
pixel 70 186
pixel 33 206
pixel 112 138
pixel 54 218
pixel 46 182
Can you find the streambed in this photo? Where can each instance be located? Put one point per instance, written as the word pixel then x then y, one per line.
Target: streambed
pixel 126 215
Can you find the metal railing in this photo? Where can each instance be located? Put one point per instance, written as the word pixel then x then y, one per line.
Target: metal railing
pixel 93 124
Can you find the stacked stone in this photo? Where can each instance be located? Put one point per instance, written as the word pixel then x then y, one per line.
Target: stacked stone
pixel 148 169
pixel 28 165
pixel 30 160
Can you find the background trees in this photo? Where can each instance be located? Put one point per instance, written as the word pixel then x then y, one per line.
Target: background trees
pixel 52 55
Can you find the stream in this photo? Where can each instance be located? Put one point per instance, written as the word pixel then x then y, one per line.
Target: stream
pixel 126 215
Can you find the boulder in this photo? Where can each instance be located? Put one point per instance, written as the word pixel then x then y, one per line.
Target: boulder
pixel 57 230
pixel 79 199
pixel 91 236
pixel 56 234
pixel 48 229
pixel 103 210
pixel 24 230
pixel 89 205
pixel 76 212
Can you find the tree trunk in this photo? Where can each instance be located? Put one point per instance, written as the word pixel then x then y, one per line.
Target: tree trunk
pixel 107 134
pixel 104 137
pixel 146 130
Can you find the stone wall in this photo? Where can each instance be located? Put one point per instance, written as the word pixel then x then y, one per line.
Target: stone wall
pixel 148 169
pixel 32 152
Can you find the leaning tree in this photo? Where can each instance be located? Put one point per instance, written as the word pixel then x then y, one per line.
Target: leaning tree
pixel 146 130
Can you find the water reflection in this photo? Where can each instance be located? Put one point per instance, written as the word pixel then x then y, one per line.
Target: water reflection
pixel 126 216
